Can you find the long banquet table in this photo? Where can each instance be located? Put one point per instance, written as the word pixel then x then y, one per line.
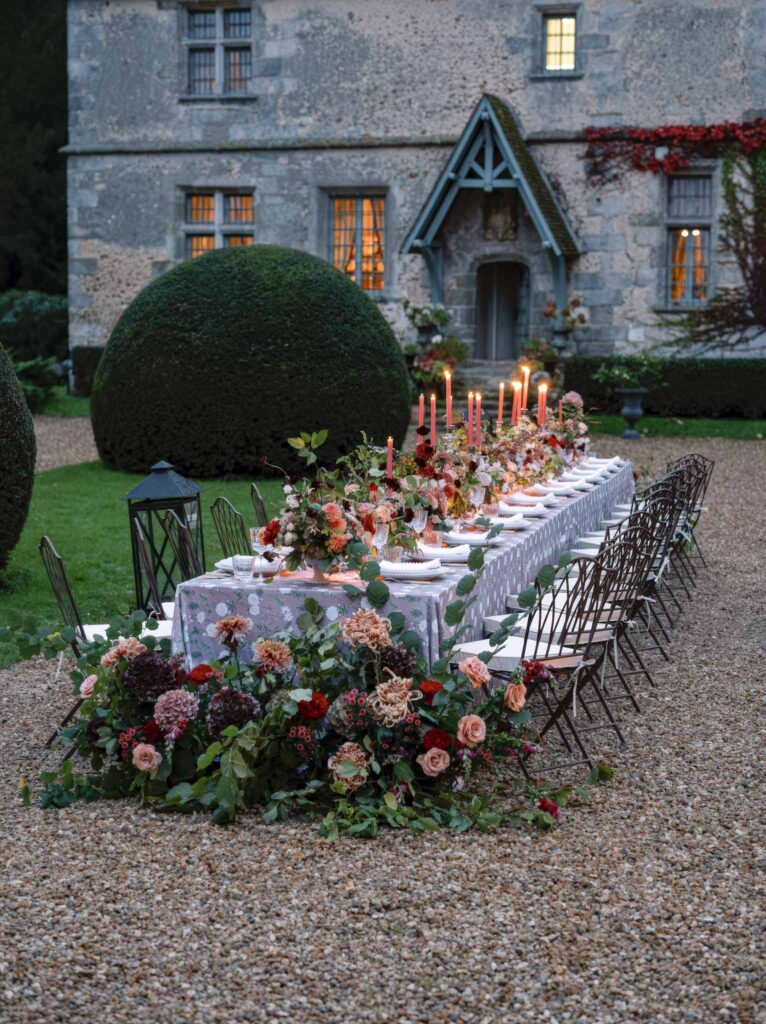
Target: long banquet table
pixel 510 566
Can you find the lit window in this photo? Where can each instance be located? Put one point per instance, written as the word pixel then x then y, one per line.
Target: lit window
pixel 358 238
pixel 229 217
pixel 559 41
pixel 219 69
pixel 688 217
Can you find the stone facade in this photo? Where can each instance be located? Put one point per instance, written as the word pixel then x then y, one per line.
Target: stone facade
pixel 373 95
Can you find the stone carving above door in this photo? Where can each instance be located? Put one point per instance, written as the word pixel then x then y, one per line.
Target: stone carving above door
pixel 500 217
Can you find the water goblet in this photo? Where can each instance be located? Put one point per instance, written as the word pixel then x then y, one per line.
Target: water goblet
pixel 381 537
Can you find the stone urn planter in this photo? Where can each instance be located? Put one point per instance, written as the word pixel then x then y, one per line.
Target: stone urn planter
pixel 561 339
pixel 319 575
pixel 631 410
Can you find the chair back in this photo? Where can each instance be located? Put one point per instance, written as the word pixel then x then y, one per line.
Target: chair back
pixel 181 541
pixel 230 527
pixel 259 506
pixel 62 591
pixel 155 597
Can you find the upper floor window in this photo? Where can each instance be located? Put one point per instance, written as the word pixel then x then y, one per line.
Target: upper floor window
pixel 559 37
pixel 357 238
pixel 219 51
pixel 688 216
pixel 216 218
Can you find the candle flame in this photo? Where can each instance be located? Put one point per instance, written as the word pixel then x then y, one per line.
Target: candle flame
pixel 516 384
pixel 470 394
pixel 446 375
pixel 543 387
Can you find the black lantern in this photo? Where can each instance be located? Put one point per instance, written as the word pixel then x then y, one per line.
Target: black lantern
pixel 148 502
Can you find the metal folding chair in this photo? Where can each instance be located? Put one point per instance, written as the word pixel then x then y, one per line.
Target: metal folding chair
pixel 181 541
pixel 259 506
pixel 230 527
pixel 159 609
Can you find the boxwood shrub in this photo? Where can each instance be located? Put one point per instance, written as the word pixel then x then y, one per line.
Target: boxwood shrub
pixel 17 458
pixel 214 364
pixel 34 324
pixel 85 360
pixel 734 387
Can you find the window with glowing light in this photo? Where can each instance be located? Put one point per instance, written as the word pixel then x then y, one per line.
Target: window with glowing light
pixel 216 218
pixel 689 219
pixel 219 52
pixel 559 43
pixel 357 239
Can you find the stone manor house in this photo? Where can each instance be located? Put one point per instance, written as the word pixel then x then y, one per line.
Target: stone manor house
pixel 428 148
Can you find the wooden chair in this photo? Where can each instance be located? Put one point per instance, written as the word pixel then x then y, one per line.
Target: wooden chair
pixel 181 541
pixel 259 505
pixel 230 527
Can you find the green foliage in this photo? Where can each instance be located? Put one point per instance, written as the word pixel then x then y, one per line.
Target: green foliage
pixel 17 459
pixel 34 325
pixel 665 426
pixel 693 387
pixel 263 342
pixel 85 360
pixel 38 377
pixel 33 127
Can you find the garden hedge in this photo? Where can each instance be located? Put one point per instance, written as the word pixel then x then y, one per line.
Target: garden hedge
pixel 17 458
pixel 34 324
pixel 214 364
pixel 85 360
pixel 690 387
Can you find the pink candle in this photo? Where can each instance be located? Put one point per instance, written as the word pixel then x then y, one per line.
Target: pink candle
pixel 448 396
pixel 390 459
pixel 524 388
pixel 516 385
pixel 542 404
pixel 470 417
pixel 500 399
pixel 421 410
pixel 433 421
pixel 561 413
pixel 477 421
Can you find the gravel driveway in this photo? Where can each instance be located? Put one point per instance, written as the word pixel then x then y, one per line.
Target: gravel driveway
pixel 646 905
pixel 63 442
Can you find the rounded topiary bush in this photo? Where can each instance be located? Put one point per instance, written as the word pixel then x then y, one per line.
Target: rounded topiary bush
pixel 17 458
pixel 221 359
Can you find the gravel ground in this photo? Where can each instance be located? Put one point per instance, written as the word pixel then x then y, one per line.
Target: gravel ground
pixel 63 442
pixel 645 905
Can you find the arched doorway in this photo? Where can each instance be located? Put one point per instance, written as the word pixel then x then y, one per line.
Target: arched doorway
pixel 502 309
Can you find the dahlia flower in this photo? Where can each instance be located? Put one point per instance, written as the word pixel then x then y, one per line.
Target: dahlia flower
pixel 148 676
pixel 174 707
pixel 124 650
pixel 367 629
pixel 273 655
pixel 355 754
pixel 230 707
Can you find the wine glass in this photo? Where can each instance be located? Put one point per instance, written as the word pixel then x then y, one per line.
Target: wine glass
pixel 419 522
pixel 258 548
pixel 476 498
pixel 381 537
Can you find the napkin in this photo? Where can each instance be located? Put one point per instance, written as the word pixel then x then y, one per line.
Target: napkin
pixel 527 499
pixel 410 569
pixel 260 565
pixel 509 522
pixel 476 540
pixel 534 506
pixel 453 554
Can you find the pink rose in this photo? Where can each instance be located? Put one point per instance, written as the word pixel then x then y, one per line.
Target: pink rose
pixel 86 686
pixel 434 762
pixel 476 670
pixel 515 696
pixel 471 730
pixel 146 758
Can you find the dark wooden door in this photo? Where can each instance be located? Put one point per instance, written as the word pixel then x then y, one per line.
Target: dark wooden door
pixel 501 290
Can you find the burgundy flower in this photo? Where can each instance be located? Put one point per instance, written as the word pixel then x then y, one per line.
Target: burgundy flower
pixel 438 738
pixel 314 708
pixel 151 732
pixel 549 807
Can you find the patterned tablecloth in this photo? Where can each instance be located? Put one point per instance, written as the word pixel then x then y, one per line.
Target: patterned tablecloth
pixel 510 566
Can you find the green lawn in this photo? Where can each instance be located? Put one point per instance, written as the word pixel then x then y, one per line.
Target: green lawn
pixel 661 426
pixel 62 404
pixel 80 509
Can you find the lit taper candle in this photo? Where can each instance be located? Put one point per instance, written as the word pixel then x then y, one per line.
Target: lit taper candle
pixel 470 417
pixel 516 385
pixel 524 387
pixel 448 395
pixel 390 459
pixel 433 421
pixel 421 410
pixel 542 404
pixel 477 421
pixel 500 398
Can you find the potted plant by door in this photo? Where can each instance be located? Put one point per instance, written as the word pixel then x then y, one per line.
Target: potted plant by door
pixel 631 379
pixel 572 317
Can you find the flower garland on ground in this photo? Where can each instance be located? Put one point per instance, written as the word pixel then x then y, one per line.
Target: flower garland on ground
pixel 612 150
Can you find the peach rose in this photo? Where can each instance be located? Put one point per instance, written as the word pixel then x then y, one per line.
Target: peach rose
pixel 476 670
pixel 146 758
pixel 333 515
pixel 124 649
pixel 515 696
pixel 471 730
pixel 434 762
pixel 86 686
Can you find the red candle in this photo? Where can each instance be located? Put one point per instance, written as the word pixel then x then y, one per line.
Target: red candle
pixel 390 459
pixel 421 410
pixel 477 421
pixel 516 385
pixel 448 385
pixel 500 399
pixel 433 421
pixel 561 413
pixel 542 404
pixel 524 388
pixel 470 417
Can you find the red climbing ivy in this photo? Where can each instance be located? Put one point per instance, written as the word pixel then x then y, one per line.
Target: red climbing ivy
pixel 613 150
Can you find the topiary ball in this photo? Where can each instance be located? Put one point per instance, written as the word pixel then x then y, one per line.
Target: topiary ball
pixel 214 364
pixel 17 458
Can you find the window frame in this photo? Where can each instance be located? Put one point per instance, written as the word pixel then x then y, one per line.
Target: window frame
pixel 359 194
pixel 219 229
pixel 672 224
pixel 543 13
pixel 220 44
